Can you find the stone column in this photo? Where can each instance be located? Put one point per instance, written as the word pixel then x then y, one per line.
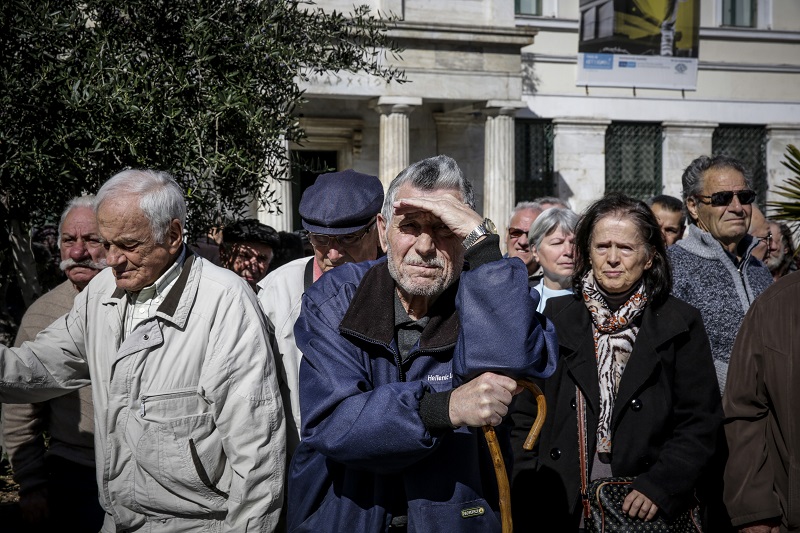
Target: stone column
pixel 498 166
pixel 579 160
pixel 394 142
pixel 461 136
pixel 282 221
pixel 778 136
pixel 683 142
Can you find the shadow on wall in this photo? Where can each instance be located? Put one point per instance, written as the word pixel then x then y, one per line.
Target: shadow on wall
pixel 562 189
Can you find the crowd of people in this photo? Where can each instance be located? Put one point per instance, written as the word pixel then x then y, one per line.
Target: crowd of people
pixel 344 377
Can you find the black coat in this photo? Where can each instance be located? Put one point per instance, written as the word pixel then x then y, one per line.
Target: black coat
pixel 666 416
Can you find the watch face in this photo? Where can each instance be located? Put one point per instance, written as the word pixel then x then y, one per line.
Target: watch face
pixel 490 227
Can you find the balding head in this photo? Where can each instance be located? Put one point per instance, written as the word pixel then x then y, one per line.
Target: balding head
pixel 759 229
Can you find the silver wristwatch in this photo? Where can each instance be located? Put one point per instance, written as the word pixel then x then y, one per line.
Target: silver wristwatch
pixel 485 228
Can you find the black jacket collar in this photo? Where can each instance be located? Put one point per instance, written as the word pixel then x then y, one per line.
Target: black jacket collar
pixel 574 329
pixel 370 314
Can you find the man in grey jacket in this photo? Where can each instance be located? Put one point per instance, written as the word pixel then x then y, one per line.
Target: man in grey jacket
pixel 713 266
pixel 714 270
pixel 189 427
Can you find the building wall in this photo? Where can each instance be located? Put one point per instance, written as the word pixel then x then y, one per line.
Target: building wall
pixel 746 76
pixel 471 64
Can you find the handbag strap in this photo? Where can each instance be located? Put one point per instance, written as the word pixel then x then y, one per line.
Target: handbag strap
pixel 582 445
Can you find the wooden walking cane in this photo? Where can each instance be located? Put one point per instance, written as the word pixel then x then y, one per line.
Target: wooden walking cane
pixel 497 457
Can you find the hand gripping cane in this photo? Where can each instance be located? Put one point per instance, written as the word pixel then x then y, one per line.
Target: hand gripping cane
pixel 497 457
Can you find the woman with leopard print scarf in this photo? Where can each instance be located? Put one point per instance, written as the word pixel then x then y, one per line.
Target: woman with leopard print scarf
pixel 642 361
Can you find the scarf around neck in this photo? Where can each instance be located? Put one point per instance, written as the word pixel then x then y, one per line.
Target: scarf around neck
pixel 614 335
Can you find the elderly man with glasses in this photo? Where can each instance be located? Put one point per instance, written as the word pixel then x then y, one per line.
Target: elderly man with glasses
pixel 714 267
pixel 517 244
pixel 339 213
pixel 714 270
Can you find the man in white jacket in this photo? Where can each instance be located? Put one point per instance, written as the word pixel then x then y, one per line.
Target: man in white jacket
pixel 339 211
pixel 189 425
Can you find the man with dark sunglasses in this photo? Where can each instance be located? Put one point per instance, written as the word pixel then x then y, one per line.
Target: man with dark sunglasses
pixel 714 270
pixel 339 213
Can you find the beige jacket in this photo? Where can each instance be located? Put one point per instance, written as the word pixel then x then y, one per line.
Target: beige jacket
pixel 280 297
pixel 68 420
pixel 189 427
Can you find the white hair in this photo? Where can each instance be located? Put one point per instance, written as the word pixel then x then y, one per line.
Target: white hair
pixel 160 197
pixel 87 200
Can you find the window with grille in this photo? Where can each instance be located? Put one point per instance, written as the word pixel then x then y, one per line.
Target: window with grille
pixel 748 144
pixel 534 160
pixel 633 159
pixel 740 13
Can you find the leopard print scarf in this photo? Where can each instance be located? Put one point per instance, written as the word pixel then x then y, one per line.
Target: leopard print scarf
pixel 614 336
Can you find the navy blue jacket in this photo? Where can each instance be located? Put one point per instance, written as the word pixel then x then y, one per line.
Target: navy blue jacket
pixel 366 455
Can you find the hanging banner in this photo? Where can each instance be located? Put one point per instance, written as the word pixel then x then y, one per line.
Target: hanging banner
pixel 639 43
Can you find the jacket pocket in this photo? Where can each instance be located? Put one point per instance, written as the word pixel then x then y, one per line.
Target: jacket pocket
pixel 180 464
pixel 465 517
pixel 161 406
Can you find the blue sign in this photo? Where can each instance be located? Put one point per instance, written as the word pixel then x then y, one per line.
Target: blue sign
pixel 598 61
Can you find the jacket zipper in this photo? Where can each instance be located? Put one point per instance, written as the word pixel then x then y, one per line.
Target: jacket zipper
pixel 741 268
pixel 413 355
pixel 163 395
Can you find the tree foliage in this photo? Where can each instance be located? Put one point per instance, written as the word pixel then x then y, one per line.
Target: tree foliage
pixel 205 89
pixel 789 210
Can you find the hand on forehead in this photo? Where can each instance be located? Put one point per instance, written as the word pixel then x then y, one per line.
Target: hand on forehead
pixel 444 205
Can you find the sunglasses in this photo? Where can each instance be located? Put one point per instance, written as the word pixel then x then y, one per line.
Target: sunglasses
pixel 724 198
pixel 516 233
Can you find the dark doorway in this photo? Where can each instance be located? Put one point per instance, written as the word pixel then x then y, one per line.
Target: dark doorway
pixel 306 166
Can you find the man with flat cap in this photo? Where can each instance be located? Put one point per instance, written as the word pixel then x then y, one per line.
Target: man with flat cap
pixel 339 212
pixel 247 248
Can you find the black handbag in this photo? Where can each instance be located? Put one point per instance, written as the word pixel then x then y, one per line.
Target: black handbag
pixel 603 498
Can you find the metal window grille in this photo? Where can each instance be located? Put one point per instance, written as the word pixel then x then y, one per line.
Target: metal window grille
pixel 633 159
pixel 534 160
pixel 748 144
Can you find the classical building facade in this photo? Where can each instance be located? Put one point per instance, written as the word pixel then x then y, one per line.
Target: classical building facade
pixel 492 83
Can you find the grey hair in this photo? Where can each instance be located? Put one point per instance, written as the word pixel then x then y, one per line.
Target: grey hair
pixel 524 206
pixel 432 174
pixel 552 200
pixel 693 176
pixel 550 220
pixel 160 197
pixel 87 200
pixel 669 203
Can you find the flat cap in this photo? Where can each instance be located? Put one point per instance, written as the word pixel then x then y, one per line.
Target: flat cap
pixel 251 230
pixel 339 203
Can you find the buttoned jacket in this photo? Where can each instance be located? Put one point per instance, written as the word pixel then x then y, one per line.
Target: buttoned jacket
pixel 664 423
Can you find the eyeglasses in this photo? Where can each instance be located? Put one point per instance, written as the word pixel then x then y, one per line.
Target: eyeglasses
pixel 322 240
pixel 724 198
pixel 767 239
pixel 516 233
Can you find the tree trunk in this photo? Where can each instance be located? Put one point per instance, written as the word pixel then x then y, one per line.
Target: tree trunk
pixel 24 262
